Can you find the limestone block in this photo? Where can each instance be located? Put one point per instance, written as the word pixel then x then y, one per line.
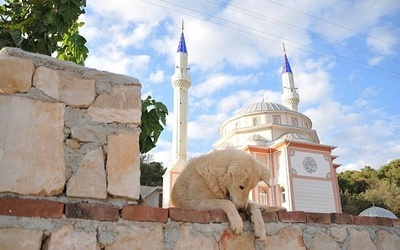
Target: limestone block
pixel 137 237
pixel 15 75
pixel 339 233
pixel 72 144
pixel 90 179
pixel 189 238
pixel 65 87
pixel 387 240
pixel 287 238
pixel 123 165
pixel 323 241
pixel 360 239
pixel 229 240
pixel 122 105
pixel 69 238
pixel 31 146
pixel 20 239
pixel 89 133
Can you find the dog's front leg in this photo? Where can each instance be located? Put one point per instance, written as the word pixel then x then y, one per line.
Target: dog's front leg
pixel 258 221
pixel 235 221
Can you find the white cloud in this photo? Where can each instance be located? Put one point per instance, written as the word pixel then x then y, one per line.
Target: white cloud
pixel 217 82
pixel 157 76
pixel 162 153
pixel 112 58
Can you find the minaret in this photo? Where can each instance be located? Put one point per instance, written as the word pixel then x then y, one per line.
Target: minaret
pixel 180 83
pixel 290 98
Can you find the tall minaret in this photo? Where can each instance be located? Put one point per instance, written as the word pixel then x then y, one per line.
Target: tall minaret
pixel 180 82
pixel 290 98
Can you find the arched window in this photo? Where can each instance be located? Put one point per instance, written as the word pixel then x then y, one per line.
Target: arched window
pixel 276 119
pixel 283 194
pixel 256 121
pixel 263 197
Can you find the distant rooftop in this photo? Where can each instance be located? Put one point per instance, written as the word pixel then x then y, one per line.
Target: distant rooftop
pixel 378 212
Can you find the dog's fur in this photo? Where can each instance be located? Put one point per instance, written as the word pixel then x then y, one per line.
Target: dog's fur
pixel 222 180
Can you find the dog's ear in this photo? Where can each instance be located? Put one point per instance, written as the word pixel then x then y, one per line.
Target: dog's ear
pixel 265 175
pixel 237 172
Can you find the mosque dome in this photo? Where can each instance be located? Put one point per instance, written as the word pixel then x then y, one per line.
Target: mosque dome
pixel 261 107
pixel 378 212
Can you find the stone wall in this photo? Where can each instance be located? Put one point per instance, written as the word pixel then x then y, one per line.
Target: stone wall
pixel 67 130
pixel 69 174
pixel 51 224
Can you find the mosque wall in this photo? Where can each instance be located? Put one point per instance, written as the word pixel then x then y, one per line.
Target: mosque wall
pixel 69 174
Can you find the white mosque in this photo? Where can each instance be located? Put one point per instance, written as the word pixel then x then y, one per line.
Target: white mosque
pixel 302 169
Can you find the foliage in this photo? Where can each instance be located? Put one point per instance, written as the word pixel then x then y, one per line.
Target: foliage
pixel 151 174
pixel 45 27
pixel 153 118
pixel 361 189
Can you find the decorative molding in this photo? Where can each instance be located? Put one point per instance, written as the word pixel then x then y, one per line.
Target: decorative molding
pixel 309 164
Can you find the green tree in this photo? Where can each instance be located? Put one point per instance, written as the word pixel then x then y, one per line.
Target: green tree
pixel 361 189
pixel 151 174
pixel 153 118
pixel 45 27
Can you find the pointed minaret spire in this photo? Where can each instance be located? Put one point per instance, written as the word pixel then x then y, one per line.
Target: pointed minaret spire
pixel 182 43
pixel 180 83
pixel 290 97
pixel 286 66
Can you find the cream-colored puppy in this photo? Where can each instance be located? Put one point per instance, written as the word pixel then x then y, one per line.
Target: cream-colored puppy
pixel 222 180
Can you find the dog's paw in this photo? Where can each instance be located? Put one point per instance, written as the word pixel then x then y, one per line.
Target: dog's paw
pixel 279 208
pixel 259 231
pixel 265 208
pixel 260 237
pixel 236 226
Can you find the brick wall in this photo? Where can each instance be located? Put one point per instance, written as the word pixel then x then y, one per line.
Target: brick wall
pixel 69 174
pixel 57 224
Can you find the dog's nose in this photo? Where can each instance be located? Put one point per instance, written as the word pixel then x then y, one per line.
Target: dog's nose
pixel 242 209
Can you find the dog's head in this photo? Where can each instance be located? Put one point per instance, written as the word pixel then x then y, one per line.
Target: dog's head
pixel 241 178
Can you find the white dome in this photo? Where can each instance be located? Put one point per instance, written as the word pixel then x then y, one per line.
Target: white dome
pixel 378 212
pixel 263 106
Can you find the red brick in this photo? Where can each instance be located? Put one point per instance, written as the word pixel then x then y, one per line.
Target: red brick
pixel 320 218
pixel 339 218
pixel 293 216
pixel 383 221
pixel 364 220
pixel 396 222
pixel 144 213
pixel 270 216
pixel 103 212
pixel 218 216
pixel 189 215
pixel 31 208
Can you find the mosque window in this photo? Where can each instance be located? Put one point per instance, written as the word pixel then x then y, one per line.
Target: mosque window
pixel 306 125
pixel 263 197
pixel 283 193
pixel 237 125
pixel 256 121
pixel 295 122
pixel 276 119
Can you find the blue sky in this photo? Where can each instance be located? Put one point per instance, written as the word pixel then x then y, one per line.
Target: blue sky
pixel 344 56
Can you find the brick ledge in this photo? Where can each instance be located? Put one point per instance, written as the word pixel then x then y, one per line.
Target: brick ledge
pixel 14 206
